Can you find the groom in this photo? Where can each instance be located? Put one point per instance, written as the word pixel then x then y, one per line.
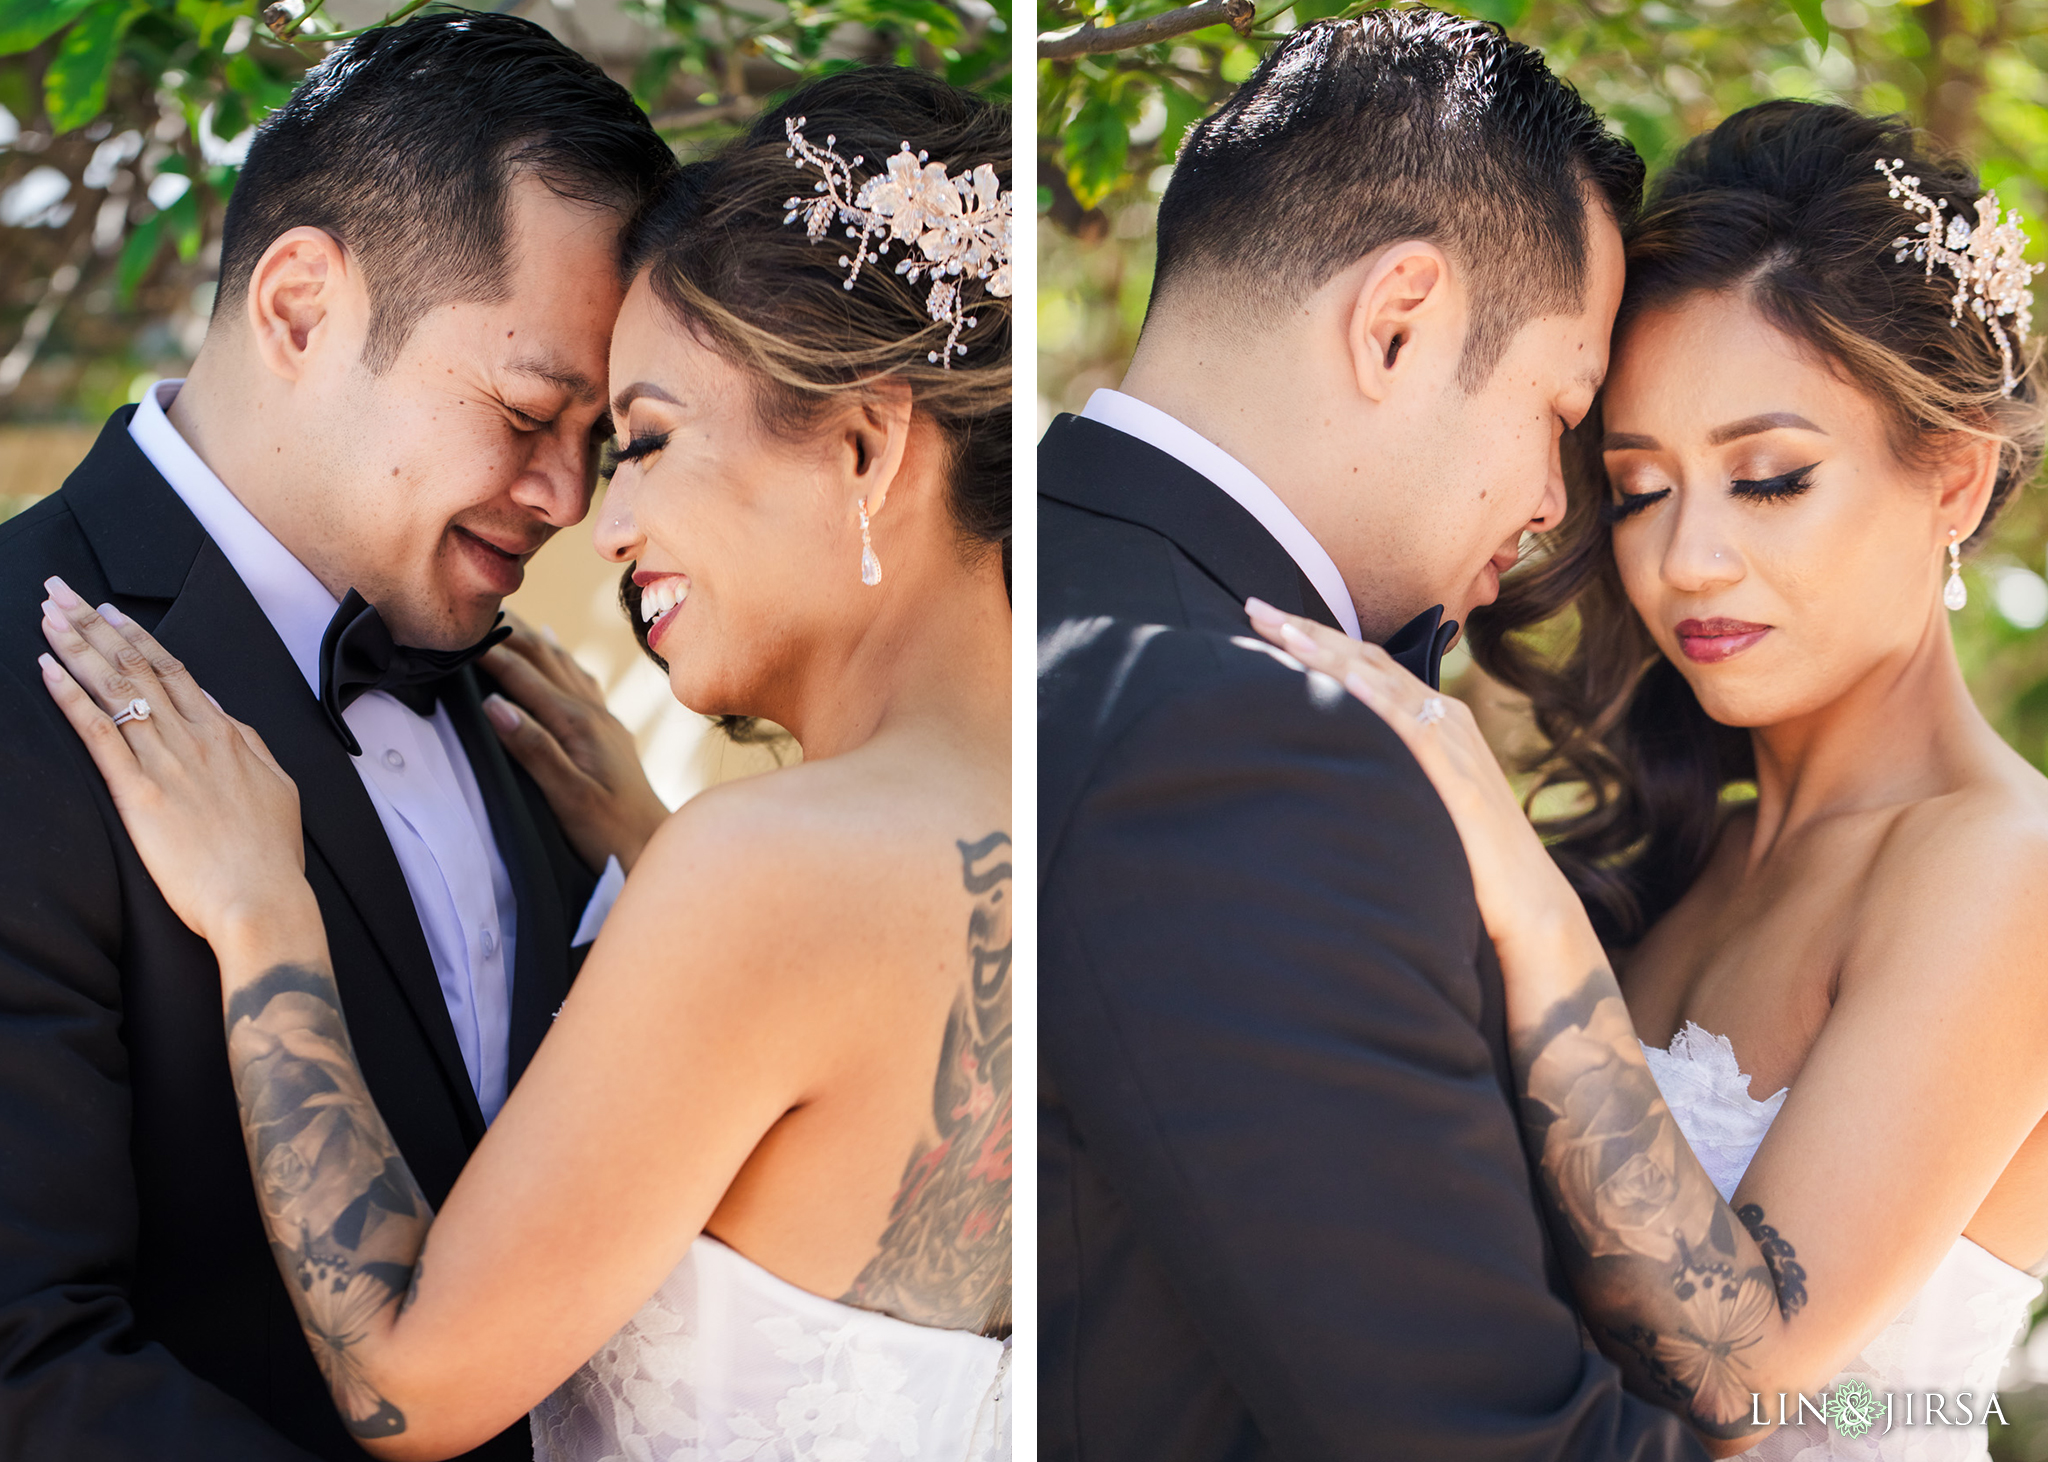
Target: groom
pixel 400 393
pixel 1284 1208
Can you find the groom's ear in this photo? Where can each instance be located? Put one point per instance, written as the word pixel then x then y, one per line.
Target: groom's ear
pixel 1404 318
pixel 305 300
pixel 875 436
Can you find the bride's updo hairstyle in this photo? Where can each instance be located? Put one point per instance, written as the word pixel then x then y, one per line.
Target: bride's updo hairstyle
pixel 1783 203
pixel 759 292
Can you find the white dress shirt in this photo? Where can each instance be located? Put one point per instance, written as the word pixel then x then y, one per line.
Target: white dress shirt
pixel 1135 418
pixel 414 768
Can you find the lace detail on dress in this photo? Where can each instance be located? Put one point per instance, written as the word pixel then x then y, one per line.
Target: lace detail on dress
pixel 727 1362
pixel 1953 1336
pixel 1709 1095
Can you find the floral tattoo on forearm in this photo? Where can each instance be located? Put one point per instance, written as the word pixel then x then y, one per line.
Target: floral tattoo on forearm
pixel 945 1257
pixel 1680 1290
pixel 346 1220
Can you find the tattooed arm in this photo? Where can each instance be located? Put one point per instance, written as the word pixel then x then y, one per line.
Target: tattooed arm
pixel 1919 1089
pixel 741 975
pixel 1690 1298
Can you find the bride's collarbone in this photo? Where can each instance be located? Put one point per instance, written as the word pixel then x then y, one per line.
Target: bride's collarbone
pixel 1760 966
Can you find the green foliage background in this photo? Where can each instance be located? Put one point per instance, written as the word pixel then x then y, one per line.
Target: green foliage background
pixel 1974 73
pixel 122 99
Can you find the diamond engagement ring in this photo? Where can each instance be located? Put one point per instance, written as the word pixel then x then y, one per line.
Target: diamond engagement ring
pixel 1432 711
pixel 136 710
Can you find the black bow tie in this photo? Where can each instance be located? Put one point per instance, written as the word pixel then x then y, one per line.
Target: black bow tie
pixel 358 655
pixel 1418 646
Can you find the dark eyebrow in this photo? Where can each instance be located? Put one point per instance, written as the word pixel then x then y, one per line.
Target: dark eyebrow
pixel 579 386
pixel 635 391
pixel 1749 426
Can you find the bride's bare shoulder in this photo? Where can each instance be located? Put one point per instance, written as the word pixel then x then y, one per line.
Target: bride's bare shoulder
pixel 1968 871
pixel 846 854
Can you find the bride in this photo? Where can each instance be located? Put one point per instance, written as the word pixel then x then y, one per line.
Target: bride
pixel 778 1099
pixel 1822 1170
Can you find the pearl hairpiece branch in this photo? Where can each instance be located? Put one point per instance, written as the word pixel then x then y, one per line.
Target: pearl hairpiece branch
pixel 1992 277
pixel 959 225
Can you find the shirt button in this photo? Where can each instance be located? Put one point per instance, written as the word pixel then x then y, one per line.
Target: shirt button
pixel 393 760
pixel 490 943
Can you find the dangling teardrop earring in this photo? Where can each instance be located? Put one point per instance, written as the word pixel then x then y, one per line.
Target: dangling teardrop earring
pixel 1953 594
pixel 870 566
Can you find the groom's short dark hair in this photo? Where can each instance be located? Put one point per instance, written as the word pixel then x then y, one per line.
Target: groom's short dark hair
pixel 1399 124
pixel 402 145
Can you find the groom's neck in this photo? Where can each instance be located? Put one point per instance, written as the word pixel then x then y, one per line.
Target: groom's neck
pixel 1275 404
pixel 237 424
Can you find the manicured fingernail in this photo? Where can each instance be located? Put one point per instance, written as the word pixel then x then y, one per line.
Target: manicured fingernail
pixel 554 639
pixel 54 617
pixel 112 615
pixel 504 715
pixel 61 592
pixel 51 670
pixel 1260 610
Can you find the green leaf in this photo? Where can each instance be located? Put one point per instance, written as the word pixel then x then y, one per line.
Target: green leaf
pixel 1508 13
pixel 136 256
pixel 1239 62
pixel 26 24
pixel 1183 110
pixel 183 216
pixel 1810 16
pixel 1098 145
pixel 75 85
pixel 230 115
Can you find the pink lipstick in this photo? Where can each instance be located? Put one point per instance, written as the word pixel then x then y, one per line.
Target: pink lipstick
pixel 1710 641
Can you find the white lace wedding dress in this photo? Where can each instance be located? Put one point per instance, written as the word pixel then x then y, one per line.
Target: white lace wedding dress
pixel 727 1363
pixel 1953 1335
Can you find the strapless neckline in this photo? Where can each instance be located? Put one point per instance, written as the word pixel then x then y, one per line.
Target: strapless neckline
pixel 1952 1337
pixel 728 1362
pixel 1697 1045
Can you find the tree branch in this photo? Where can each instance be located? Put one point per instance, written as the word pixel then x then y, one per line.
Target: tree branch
pixel 1091 40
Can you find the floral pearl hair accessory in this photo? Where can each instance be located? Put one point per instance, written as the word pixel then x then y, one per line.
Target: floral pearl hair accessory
pixel 1992 277
pixel 960 226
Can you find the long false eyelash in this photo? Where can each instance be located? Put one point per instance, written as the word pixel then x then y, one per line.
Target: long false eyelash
pixel 645 446
pixel 1631 503
pixel 1784 485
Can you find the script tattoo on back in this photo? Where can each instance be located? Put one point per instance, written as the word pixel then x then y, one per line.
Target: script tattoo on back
pixel 945 1257
pixel 345 1218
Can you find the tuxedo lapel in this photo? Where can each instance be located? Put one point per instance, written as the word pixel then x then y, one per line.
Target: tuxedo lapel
pixel 216 628
pixel 152 548
pixel 1097 468
pixel 540 973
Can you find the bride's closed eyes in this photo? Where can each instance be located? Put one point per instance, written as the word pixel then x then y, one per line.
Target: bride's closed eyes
pixel 1755 489
pixel 644 445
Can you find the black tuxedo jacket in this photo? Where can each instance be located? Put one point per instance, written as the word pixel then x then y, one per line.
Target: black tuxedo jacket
pixel 1284 1211
pixel 141 1314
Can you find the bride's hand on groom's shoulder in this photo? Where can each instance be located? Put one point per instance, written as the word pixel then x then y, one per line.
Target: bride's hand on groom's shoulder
pixel 213 816
pixel 552 719
pixel 1521 894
